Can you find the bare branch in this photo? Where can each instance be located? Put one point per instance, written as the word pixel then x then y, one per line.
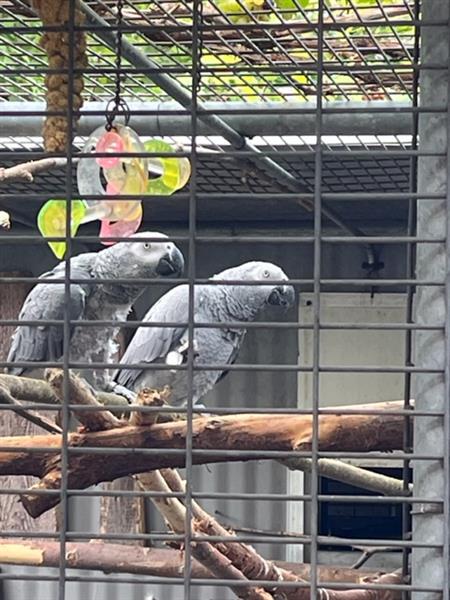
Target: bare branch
pixel 174 513
pixel 111 558
pixel 82 395
pixel 148 397
pixel 27 171
pixel 37 391
pixel 249 434
pixel 352 475
pixel 230 558
pixel 6 398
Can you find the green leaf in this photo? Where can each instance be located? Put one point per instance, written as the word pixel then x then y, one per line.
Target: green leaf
pixel 291 4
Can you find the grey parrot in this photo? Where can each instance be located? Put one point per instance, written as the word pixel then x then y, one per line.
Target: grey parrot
pixel 212 304
pixel 134 259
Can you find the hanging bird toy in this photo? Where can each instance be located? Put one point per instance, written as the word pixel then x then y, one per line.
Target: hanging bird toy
pixel 120 174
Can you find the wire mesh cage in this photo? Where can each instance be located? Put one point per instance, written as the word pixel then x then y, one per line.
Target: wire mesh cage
pixel 224 299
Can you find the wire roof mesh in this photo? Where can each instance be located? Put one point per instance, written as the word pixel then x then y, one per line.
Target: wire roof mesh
pixel 266 53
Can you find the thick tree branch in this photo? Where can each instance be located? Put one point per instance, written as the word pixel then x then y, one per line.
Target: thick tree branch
pixel 246 433
pixel 111 558
pixel 35 390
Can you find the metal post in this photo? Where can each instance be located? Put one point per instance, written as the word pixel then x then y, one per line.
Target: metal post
pixel 430 478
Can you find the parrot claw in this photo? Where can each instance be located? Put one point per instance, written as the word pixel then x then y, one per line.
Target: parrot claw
pixel 123 391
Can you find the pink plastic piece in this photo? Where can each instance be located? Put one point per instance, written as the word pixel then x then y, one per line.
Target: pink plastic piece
pixel 109 142
pixel 111 189
pixel 118 229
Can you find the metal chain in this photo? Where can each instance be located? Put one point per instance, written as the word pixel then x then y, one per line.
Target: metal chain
pixel 198 6
pixel 117 104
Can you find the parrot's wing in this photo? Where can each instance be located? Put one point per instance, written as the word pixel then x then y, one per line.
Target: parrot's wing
pixel 47 301
pixel 151 343
pixel 236 342
pixel 231 362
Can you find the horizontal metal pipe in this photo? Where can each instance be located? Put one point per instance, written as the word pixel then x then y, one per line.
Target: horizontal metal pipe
pixel 234 282
pixel 227 324
pixel 233 239
pixel 258 119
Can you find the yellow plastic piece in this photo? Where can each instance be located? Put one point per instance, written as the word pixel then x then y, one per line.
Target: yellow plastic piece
pixel 175 171
pixel 52 222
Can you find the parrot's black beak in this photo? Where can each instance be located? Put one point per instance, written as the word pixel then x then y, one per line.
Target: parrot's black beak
pixel 283 295
pixel 171 264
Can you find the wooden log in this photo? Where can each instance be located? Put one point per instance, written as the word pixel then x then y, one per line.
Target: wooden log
pixel 344 432
pixel 80 394
pixel 111 558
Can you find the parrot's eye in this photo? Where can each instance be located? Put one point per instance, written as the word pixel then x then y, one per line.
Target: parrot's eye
pixel 266 274
pixel 147 245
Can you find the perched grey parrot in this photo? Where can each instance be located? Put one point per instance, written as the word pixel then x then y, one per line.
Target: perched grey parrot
pixel 212 304
pixel 89 301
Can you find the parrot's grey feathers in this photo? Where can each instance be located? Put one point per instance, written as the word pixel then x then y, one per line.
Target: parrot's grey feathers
pixel 213 304
pixel 134 258
pixel 46 302
pixel 152 343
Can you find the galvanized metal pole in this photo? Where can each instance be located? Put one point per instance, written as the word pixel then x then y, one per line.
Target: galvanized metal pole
pixel 430 525
pixel 249 120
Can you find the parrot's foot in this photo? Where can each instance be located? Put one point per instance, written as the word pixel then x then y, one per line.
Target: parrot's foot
pixel 196 415
pixel 121 390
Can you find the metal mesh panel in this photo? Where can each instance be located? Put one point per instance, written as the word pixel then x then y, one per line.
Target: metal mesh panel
pixel 305 453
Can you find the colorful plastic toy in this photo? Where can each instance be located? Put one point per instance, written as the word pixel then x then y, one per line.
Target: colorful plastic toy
pixel 114 176
pixel 173 173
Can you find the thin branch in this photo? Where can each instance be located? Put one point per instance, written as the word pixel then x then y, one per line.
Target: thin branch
pixel 352 475
pixel 174 513
pixel 27 171
pixel 14 404
pixel 27 389
pixel 368 553
pixel 244 563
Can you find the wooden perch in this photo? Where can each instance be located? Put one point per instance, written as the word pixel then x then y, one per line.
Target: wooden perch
pixel 247 432
pixel 81 394
pixel 341 471
pixel 40 421
pixel 26 171
pixel 174 513
pixel 233 560
pixel 37 391
pixel 111 558
pixel 148 397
